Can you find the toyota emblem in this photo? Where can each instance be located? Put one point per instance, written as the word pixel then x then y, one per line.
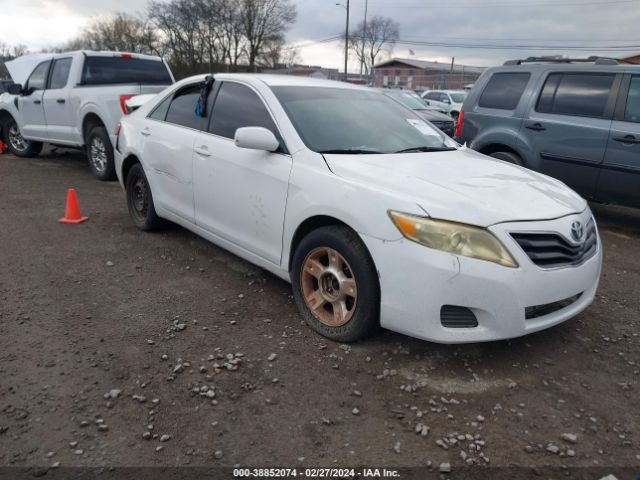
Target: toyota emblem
pixel 576 231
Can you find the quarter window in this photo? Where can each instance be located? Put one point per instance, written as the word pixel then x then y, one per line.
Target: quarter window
pixel 238 106
pixel 503 91
pixel 580 94
pixel 183 106
pixel 632 111
pixel 38 78
pixel 60 73
pixel 160 112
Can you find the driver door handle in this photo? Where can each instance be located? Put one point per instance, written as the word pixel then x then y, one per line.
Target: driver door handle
pixel 61 100
pixel 37 102
pixel 627 139
pixel 202 151
pixel 535 126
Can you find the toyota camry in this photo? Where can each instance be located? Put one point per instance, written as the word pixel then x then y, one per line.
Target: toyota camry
pixel 374 216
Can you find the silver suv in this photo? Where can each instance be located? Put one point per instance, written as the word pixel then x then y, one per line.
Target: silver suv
pixel 575 120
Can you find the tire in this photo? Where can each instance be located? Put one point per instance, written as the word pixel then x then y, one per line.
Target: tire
pixel 508 157
pixel 100 154
pixel 140 200
pixel 16 144
pixel 356 274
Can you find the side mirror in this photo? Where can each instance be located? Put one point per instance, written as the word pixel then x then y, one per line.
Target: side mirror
pixel 256 138
pixel 427 102
pixel 15 89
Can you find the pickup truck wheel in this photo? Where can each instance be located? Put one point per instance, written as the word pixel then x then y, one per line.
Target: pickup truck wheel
pixel 140 200
pixel 335 284
pixel 17 144
pixel 100 153
pixel 508 157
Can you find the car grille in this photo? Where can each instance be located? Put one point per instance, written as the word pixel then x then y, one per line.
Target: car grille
pixel 537 311
pixel 550 250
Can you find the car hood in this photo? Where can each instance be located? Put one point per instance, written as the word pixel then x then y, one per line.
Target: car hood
pixel 21 67
pixel 462 185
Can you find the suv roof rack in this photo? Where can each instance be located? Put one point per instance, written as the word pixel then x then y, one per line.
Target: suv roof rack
pixel 593 59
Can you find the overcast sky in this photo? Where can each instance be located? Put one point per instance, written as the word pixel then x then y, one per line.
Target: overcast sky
pixel 599 23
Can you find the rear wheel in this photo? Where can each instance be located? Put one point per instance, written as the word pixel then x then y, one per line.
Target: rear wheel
pixel 17 144
pixel 508 157
pixel 140 200
pixel 335 284
pixel 100 154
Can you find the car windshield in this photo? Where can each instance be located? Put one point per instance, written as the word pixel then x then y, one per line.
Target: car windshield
pixel 354 121
pixel 408 99
pixel 458 97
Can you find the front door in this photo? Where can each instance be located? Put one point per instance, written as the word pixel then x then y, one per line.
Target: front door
pixel 57 108
pixel 241 194
pixel 568 128
pixel 620 177
pixel 34 123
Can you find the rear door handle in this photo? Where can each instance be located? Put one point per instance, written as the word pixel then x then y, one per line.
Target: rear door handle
pixel 202 151
pixel 61 100
pixel 37 102
pixel 146 133
pixel 536 126
pixel 627 139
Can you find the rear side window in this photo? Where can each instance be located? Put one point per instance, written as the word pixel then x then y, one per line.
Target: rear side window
pixel 503 91
pixel 580 94
pixel 238 106
pixel 60 73
pixel 115 70
pixel 182 110
pixel 632 111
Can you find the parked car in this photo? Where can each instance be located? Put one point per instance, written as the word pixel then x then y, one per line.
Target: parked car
pixel 374 216
pixel 431 114
pixel 450 101
pixel 75 99
pixel 576 121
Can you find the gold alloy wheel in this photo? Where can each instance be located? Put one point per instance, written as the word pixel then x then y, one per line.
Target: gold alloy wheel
pixel 328 286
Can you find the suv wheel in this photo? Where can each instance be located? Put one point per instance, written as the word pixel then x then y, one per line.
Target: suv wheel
pixel 508 157
pixel 335 284
pixel 17 144
pixel 100 154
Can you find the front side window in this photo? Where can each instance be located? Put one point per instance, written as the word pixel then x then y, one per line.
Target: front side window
pixel 579 94
pixel 632 111
pixel 60 73
pixel 38 78
pixel 503 91
pixel 183 106
pixel 355 121
pixel 238 106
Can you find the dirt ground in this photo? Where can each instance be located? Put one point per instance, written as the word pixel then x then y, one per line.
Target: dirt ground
pixel 120 348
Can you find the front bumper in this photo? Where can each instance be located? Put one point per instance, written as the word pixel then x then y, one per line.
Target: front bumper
pixel 416 281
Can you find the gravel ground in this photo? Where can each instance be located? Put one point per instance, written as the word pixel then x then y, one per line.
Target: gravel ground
pixel 120 348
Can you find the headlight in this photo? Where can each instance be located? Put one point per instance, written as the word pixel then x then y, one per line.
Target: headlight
pixel 457 238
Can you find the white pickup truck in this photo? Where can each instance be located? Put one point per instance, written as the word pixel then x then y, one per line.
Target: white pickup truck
pixel 75 99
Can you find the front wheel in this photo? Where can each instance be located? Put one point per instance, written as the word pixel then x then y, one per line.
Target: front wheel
pixel 508 157
pixel 140 200
pixel 18 145
pixel 335 284
pixel 100 153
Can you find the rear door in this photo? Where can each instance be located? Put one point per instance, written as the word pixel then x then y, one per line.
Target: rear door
pixel 30 104
pixel 170 131
pixel 620 177
pixel 568 127
pixel 57 107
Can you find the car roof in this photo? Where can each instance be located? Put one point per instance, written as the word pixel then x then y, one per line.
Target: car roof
pixel 564 67
pixel 274 80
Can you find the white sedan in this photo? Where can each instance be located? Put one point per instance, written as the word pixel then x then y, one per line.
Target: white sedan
pixel 373 215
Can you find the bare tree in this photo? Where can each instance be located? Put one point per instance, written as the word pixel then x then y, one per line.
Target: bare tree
pixel 264 22
pixel 119 32
pixel 377 37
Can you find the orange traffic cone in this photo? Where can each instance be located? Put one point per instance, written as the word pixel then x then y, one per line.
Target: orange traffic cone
pixel 72 214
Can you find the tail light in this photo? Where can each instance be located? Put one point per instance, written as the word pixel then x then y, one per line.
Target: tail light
pixel 123 106
pixel 126 55
pixel 458 131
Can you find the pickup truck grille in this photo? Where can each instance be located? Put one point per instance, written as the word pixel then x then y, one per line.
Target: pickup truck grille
pixel 550 250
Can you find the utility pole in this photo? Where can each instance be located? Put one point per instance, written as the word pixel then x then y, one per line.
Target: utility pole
pixel 346 44
pixel 364 36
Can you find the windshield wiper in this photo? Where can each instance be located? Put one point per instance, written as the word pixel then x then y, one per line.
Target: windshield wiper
pixel 350 151
pixel 426 149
